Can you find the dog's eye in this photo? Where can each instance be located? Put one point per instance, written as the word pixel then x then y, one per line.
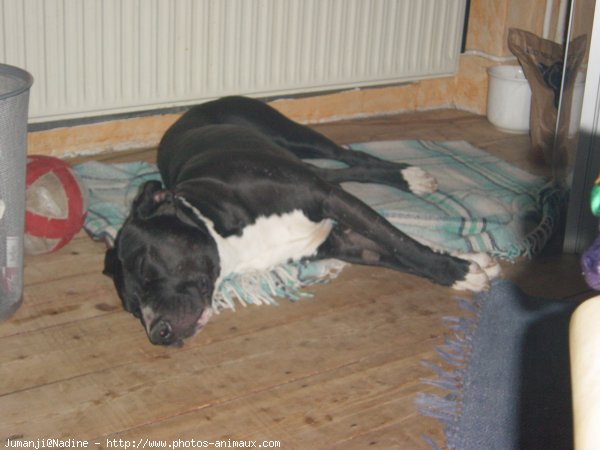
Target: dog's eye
pixel 199 286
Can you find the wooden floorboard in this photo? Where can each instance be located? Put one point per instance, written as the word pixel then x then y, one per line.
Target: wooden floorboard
pixel 339 370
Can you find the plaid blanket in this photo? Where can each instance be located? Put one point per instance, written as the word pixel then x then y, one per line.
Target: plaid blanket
pixel 483 204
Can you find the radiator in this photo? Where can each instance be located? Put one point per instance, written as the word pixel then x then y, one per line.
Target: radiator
pixel 102 57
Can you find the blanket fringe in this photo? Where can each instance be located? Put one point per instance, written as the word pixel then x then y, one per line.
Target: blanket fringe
pixel 551 201
pixel 284 281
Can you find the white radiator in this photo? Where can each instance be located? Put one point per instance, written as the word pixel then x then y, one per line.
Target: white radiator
pixel 98 57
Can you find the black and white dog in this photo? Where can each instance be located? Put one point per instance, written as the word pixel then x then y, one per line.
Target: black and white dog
pixel 238 198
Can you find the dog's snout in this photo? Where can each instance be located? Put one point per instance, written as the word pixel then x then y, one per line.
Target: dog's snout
pixel 161 333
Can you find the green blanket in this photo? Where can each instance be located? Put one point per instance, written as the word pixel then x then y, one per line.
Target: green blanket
pixel 482 205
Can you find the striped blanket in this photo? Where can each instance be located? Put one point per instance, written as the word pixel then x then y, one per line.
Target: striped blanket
pixel 482 205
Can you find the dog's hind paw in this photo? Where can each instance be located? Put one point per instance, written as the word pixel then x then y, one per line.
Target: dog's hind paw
pixel 476 280
pixel 489 265
pixel 419 181
pixel 482 270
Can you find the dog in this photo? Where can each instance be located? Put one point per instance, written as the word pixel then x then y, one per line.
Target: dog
pixel 237 197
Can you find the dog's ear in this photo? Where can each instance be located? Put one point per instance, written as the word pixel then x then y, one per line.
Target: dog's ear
pixel 152 199
pixel 112 264
pixel 113 268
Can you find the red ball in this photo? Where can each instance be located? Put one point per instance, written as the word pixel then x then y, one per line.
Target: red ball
pixel 56 204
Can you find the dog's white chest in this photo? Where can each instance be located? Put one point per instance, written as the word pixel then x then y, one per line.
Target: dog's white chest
pixel 270 241
pixel 267 242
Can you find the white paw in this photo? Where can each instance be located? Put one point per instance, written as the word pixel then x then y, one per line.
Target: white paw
pixel 475 281
pixel 489 265
pixel 419 181
pixel 483 268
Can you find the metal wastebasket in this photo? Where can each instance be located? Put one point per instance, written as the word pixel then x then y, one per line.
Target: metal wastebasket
pixel 14 103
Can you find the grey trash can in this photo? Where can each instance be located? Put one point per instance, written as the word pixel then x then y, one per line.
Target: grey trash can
pixel 14 104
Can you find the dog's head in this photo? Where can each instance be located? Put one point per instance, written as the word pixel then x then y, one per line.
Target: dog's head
pixel 164 265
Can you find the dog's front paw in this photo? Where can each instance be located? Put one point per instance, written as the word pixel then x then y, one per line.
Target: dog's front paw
pixel 419 181
pixel 482 270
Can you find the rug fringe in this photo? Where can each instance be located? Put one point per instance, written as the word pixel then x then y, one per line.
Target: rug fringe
pixel 441 408
pixel 454 354
pixel 431 442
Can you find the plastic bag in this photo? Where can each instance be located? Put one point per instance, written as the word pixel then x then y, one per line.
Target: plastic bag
pixel 543 62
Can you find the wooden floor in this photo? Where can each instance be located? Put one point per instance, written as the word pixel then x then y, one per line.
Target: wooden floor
pixel 340 370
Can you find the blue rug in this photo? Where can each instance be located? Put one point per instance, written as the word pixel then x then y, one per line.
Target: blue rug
pixel 506 373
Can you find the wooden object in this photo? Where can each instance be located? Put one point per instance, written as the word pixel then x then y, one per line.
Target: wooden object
pixel 585 372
